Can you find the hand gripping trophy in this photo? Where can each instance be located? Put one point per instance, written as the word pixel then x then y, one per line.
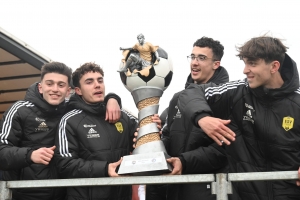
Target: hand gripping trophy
pixel 146 71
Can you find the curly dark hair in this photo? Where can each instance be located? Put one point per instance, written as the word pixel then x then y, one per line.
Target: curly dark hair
pixel 215 45
pixel 83 69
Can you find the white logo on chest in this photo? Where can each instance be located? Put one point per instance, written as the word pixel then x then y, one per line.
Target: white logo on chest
pixel 92 133
pixel 248 116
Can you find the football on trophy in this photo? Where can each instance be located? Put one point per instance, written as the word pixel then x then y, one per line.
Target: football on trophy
pixel 158 75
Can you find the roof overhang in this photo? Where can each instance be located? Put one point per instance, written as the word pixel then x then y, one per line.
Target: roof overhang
pixel 20 67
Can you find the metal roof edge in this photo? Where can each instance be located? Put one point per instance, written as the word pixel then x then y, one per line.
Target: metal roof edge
pixel 24 44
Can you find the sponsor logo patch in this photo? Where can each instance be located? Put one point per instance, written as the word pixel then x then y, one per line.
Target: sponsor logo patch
pixel 39 119
pixel 89 125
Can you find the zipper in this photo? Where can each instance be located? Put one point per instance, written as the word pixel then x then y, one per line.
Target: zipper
pixel 107 130
pixel 266 149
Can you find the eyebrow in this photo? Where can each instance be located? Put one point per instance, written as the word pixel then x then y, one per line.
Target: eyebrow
pixel 88 79
pixel 91 79
pixel 198 55
pixel 59 82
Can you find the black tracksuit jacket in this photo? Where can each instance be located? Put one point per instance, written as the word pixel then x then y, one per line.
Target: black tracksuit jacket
pixel 29 125
pixel 86 144
pixel 267 127
pixel 26 126
pixel 197 152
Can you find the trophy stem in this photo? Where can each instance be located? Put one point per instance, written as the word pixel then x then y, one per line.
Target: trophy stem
pixel 147 120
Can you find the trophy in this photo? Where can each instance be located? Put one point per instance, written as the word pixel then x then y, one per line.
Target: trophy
pixel 146 71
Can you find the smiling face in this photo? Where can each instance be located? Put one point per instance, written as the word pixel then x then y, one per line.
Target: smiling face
pixel 259 73
pixel 54 87
pixel 203 70
pixel 92 88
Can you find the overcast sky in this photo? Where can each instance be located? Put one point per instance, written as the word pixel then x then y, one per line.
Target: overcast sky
pixel 75 32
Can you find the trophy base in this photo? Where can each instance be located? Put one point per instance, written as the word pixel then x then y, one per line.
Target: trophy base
pixel 146 164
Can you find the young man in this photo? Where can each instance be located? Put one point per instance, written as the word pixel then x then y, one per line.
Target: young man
pixel 262 110
pixel 188 145
pixel 28 129
pixel 88 146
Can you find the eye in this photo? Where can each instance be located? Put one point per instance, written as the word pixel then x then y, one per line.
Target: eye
pixel 252 63
pixel 200 57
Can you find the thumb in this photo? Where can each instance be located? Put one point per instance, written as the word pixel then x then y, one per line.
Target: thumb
pixel 226 121
pixel 52 148
pixel 119 162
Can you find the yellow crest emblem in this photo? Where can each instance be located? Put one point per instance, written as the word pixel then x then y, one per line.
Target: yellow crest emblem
pixel 119 127
pixel 288 123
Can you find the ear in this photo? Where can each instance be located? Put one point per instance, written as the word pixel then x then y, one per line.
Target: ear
pixel 68 92
pixel 275 65
pixel 78 91
pixel 216 65
pixel 40 88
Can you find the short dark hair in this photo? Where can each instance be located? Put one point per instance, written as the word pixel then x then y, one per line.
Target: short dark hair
pixel 83 69
pixel 263 47
pixel 215 45
pixel 56 67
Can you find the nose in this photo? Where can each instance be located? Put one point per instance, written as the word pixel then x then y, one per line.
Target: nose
pixel 55 88
pixel 97 84
pixel 193 62
pixel 246 70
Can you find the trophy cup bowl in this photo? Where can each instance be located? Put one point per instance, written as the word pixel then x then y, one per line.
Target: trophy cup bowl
pixel 147 85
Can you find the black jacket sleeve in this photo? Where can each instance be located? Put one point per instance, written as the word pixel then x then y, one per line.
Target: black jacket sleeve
pixel 198 101
pixel 11 155
pixel 165 138
pixel 172 111
pixel 132 123
pixel 204 160
pixel 114 96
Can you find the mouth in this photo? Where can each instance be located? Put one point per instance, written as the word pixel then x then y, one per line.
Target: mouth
pixel 195 70
pixel 98 93
pixel 250 77
pixel 54 96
